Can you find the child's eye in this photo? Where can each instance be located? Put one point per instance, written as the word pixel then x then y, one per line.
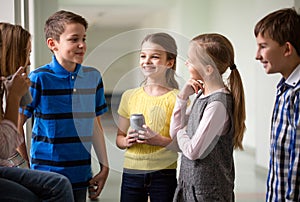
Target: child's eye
pixel 142 56
pixel 74 39
pixel 262 46
pixel 155 56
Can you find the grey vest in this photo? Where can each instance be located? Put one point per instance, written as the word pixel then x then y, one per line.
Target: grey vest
pixel 214 174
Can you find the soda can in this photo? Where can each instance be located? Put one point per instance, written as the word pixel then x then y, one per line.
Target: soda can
pixel 137 121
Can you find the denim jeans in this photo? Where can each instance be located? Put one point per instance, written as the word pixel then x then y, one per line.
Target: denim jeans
pixel 12 191
pixel 36 185
pixel 80 195
pixel 159 185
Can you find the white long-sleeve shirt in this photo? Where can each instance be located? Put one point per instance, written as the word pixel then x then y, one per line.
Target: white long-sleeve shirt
pixel 215 120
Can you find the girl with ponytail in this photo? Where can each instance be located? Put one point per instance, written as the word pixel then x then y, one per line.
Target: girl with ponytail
pixel 214 125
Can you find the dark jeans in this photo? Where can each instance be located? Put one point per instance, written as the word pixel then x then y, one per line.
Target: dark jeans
pixel 159 185
pixel 80 195
pixel 17 184
pixel 12 191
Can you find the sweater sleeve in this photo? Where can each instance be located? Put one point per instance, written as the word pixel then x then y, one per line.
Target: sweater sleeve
pixel 9 139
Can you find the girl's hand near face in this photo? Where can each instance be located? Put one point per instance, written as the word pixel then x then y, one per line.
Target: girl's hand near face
pixel 191 86
pixel 16 86
pixel 19 84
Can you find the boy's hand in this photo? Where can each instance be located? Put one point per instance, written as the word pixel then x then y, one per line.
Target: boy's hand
pixel 97 183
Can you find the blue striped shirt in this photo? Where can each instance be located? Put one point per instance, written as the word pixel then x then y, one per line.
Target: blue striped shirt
pixel 284 167
pixel 64 107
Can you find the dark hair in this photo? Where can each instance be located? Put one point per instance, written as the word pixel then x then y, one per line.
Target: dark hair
pixel 55 25
pixel 281 26
pixel 14 50
pixel 169 44
pixel 219 51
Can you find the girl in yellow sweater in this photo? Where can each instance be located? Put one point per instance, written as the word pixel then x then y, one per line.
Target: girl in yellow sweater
pixel 150 158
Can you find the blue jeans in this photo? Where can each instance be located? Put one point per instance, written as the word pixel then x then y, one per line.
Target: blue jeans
pixel 159 185
pixel 80 195
pixel 36 185
pixel 12 191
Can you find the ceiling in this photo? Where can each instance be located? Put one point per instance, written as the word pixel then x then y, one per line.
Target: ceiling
pixel 114 13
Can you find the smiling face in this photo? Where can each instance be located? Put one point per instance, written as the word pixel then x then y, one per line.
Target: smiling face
pixel 71 47
pixel 271 55
pixel 153 60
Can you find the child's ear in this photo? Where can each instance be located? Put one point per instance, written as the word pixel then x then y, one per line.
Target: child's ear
pixel 209 69
pixel 289 49
pixel 51 43
pixel 170 63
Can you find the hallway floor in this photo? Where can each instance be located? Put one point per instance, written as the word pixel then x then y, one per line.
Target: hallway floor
pixel 249 184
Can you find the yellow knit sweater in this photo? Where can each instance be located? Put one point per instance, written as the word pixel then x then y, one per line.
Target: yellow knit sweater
pixel 157 111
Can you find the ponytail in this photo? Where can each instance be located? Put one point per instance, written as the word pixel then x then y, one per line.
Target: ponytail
pixel 239 111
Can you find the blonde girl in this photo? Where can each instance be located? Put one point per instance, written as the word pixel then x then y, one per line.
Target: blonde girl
pixel 213 126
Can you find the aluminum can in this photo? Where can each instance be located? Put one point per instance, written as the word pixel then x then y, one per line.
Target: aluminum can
pixel 137 121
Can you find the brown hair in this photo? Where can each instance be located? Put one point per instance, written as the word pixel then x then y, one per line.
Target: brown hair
pixel 281 26
pixel 220 52
pixel 169 44
pixel 55 25
pixel 14 50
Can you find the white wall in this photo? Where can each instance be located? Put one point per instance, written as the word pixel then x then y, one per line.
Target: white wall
pixel 7 11
pixel 297 5
pixel 42 10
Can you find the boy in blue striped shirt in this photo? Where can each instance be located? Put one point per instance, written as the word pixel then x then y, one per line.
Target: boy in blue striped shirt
pixel 278 40
pixel 68 99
